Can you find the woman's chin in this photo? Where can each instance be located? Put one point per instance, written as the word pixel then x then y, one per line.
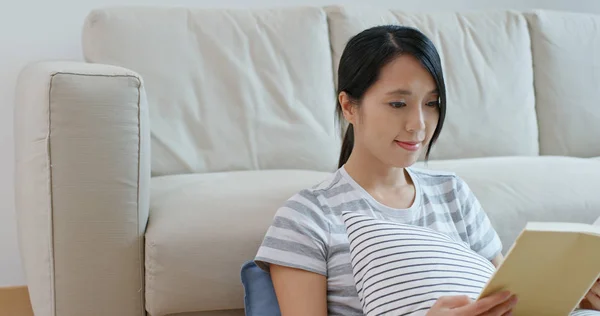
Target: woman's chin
pixel 405 161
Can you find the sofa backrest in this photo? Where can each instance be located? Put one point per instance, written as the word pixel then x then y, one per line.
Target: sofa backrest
pixel 227 89
pixel 566 55
pixel 233 89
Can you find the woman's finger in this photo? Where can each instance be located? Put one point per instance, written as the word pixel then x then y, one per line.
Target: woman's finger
pixel 503 308
pixel 484 305
pixel 596 288
pixel 594 299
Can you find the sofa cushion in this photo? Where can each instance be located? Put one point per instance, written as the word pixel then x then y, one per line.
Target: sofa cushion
pixel 488 68
pixel 565 49
pixel 201 230
pixel 515 190
pixel 228 89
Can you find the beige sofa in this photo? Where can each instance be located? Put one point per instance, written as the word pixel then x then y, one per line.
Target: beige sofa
pixel 147 175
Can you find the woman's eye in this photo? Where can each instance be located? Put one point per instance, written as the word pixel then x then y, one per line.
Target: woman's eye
pixel 433 104
pixel 397 104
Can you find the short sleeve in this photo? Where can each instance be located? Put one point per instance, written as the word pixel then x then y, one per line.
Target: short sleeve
pixel 481 236
pixel 297 237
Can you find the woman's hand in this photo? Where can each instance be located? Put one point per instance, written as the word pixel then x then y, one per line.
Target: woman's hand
pixel 495 305
pixel 592 299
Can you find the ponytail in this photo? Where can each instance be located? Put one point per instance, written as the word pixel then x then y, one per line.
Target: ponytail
pixel 347 146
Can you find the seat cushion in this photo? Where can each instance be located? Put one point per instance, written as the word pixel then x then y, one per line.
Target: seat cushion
pixel 228 89
pixel 565 49
pixel 515 190
pixel 487 64
pixel 203 227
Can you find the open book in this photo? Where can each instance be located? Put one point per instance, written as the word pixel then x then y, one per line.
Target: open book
pixel 550 268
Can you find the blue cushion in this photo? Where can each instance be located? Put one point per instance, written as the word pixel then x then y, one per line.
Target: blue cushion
pixel 259 294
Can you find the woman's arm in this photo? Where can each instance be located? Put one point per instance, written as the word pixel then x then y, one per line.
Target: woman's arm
pixel 498 260
pixel 299 292
pixel 481 235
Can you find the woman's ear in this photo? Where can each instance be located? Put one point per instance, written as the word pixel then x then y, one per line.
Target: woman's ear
pixel 348 107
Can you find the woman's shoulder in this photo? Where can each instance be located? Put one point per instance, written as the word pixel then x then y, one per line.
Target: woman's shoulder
pixel 318 198
pixel 327 183
pixel 323 188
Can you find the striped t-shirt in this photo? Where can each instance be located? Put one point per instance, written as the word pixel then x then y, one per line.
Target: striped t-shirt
pixel 308 231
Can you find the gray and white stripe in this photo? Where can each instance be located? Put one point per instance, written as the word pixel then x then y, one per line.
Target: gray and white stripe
pixel 585 312
pixel 402 269
pixel 308 231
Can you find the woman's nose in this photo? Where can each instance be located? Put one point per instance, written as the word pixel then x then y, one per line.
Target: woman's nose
pixel 415 122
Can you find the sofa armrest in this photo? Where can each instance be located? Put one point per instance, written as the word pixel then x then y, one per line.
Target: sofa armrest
pixel 82 174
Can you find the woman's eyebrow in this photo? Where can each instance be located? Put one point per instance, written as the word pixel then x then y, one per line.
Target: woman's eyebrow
pixel 408 92
pixel 400 92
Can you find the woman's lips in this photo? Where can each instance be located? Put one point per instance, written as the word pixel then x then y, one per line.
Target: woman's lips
pixel 410 146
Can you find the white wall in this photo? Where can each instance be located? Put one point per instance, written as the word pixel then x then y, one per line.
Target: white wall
pixel 36 29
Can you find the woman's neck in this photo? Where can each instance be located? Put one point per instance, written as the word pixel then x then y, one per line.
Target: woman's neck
pixel 371 173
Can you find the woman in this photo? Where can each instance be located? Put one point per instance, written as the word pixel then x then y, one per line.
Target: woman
pixel 391 91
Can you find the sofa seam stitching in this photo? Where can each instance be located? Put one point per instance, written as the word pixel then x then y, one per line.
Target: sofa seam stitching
pixel 140 242
pixel 50 191
pixel 95 75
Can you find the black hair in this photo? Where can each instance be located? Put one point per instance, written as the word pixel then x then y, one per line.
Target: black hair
pixel 367 53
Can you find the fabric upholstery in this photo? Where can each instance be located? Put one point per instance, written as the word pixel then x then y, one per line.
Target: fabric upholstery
pixel 203 228
pixel 402 269
pixel 515 190
pixel 566 68
pixel 259 294
pixel 82 183
pixel 230 312
pixel 488 69
pixel 512 190
pixel 584 312
pixel 227 89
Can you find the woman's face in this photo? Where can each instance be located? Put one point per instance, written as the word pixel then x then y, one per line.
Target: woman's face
pixel 397 116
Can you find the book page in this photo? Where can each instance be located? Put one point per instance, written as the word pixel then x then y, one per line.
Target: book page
pixel 564 227
pixel 549 271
